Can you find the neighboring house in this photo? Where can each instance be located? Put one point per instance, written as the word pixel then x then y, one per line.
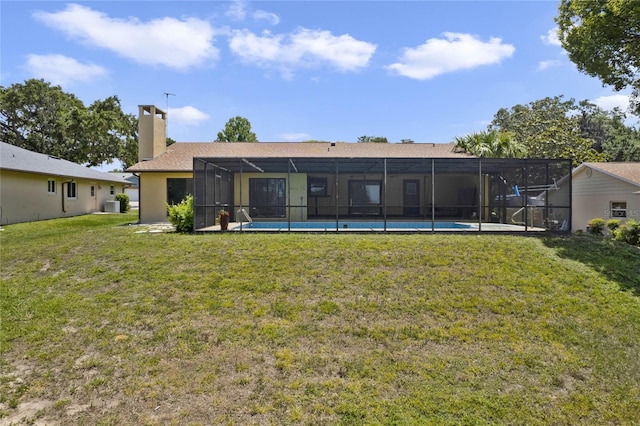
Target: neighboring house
pixel 314 180
pixel 131 188
pixel 37 186
pixel 605 190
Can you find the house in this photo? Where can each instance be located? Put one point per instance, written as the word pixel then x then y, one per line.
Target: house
pixel 131 188
pixel 280 181
pixel 36 186
pixel 605 190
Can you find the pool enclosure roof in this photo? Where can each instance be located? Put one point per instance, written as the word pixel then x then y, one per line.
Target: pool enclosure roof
pixel 388 166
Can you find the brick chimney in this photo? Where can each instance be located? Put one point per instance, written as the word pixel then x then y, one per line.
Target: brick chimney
pixel 152 128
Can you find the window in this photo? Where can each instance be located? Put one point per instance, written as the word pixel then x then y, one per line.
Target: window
pixel 267 197
pixel 618 209
pixel 93 191
pixel 112 190
pixel 317 187
pixel 51 186
pixel 71 190
pixel 178 189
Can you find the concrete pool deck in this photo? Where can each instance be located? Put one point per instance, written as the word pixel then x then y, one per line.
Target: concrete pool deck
pixel 471 228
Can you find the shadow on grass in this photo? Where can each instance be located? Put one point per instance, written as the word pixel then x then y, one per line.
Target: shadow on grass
pixel 617 261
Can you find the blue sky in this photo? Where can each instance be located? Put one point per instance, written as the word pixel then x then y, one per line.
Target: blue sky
pixel 299 70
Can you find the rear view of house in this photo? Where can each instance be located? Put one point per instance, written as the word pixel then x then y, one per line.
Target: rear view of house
pixel 36 186
pixel 335 181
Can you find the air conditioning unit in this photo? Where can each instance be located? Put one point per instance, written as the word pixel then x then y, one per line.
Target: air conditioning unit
pixel 112 206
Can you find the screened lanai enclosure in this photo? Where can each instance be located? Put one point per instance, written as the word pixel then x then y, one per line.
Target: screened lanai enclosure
pixel 383 194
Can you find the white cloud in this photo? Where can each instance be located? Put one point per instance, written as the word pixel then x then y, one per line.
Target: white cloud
pixel 261 15
pixel 551 38
pixel 543 65
pixel 60 69
pixel 302 48
pixel 454 52
pixel 170 42
pixel 608 103
pixel 187 115
pixel 293 136
pixel 237 10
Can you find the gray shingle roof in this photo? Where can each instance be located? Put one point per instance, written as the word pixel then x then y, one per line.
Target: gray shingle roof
pixel 22 160
pixel 179 156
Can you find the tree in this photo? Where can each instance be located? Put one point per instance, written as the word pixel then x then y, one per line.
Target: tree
pixel 490 144
pixel 602 38
pixel 372 139
pixel 608 131
pixel 548 128
pixel 237 129
pixel 406 141
pixel 42 118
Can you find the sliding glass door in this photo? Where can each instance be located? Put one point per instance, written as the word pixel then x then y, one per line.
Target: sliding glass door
pixel 365 197
pixel 267 197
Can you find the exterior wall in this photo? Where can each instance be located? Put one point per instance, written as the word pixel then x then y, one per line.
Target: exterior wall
pixel 296 190
pixel 24 197
pixel 153 195
pixel 592 197
pixel 446 192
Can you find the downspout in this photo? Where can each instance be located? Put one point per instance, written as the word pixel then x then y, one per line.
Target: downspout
pixel 64 208
pixel 139 197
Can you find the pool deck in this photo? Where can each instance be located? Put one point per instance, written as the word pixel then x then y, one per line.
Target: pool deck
pixel 473 228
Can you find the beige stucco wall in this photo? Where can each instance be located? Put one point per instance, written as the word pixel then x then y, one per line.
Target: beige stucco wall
pixel 445 191
pixel 153 195
pixel 24 197
pixel 592 197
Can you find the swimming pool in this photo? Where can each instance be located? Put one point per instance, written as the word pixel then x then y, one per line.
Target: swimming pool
pixel 353 225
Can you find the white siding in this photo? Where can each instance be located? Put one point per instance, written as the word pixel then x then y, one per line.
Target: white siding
pixel 592 197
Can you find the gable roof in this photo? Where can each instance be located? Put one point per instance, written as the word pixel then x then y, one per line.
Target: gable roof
pixel 180 155
pixel 628 171
pixel 22 160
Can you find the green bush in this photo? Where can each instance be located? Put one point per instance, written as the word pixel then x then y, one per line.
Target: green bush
pixel 613 224
pixel 181 215
pixel 596 226
pixel 628 232
pixel 124 202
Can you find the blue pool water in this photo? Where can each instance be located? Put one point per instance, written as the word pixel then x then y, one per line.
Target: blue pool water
pixel 331 225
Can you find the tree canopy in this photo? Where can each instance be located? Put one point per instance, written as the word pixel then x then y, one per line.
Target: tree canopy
pixel 374 139
pixel 237 129
pixel 602 38
pixel 43 118
pixel 548 128
pixel 490 144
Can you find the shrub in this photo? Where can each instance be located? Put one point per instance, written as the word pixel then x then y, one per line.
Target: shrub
pixel 596 226
pixel 181 215
pixel 628 232
pixel 124 202
pixel 613 224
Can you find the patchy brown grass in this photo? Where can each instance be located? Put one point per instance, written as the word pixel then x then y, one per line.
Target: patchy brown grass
pixel 103 325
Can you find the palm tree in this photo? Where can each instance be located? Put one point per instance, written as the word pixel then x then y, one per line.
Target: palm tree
pixel 490 144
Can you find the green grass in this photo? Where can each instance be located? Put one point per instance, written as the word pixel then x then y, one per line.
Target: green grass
pixel 103 325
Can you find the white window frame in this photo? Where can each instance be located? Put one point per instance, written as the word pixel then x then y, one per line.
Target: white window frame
pixel 618 209
pixel 51 186
pixel 72 194
pixel 112 190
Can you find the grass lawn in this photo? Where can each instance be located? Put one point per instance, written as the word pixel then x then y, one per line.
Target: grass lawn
pixel 102 324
